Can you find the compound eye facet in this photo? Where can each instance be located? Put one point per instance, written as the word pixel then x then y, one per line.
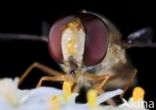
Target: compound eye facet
pixel 96 38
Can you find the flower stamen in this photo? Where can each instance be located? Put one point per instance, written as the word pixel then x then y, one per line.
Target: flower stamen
pixel 91 97
pixel 55 103
pixel 138 94
pixel 67 89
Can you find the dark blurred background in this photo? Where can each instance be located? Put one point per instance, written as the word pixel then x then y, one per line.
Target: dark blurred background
pixel 26 18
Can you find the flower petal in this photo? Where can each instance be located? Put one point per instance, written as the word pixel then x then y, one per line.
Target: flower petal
pixel 107 95
pixel 72 98
pixel 40 94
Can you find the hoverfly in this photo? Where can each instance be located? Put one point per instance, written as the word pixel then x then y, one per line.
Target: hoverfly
pixel 91 52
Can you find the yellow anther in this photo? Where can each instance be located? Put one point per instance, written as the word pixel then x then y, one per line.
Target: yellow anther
pixel 91 97
pixel 138 94
pixel 66 89
pixel 12 99
pixel 55 103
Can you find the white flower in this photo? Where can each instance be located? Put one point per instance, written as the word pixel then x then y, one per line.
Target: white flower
pixel 12 98
pixel 48 98
pixel 44 94
pixel 9 94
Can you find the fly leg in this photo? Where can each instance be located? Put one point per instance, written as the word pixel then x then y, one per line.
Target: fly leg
pixel 40 66
pixel 77 88
pixel 67 78
pixel 91 77
pixel 102 83
pixel 49 78
pixel 103 79
pixel 129 82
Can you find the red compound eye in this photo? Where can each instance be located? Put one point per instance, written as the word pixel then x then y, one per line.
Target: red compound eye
pixel 96 43
pixel 55 37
